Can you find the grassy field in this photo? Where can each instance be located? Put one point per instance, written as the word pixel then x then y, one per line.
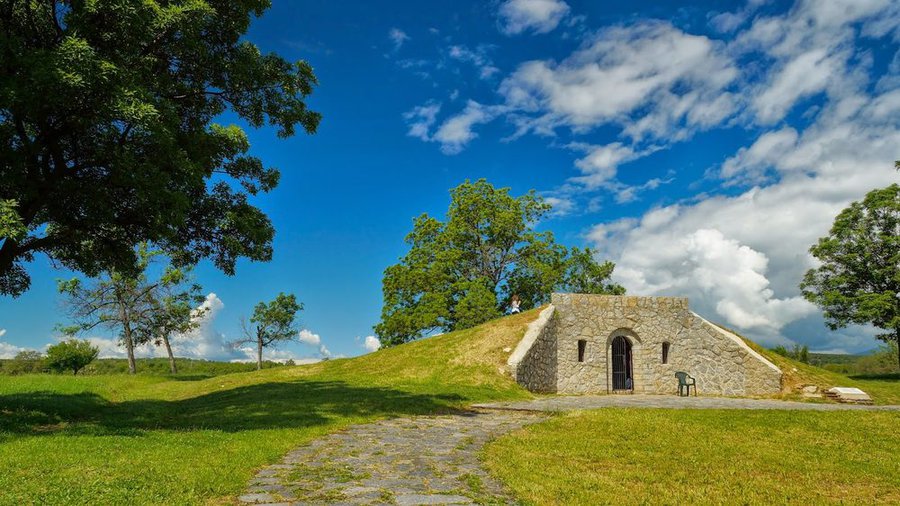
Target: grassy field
pixel 157 440
pixel 643 456
pixel 194 439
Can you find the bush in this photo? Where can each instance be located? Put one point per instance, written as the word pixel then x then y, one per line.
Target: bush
pixel 71 355
pixel 25 362
pixel 799 353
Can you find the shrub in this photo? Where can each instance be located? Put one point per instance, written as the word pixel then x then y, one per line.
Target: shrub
pixel 71 355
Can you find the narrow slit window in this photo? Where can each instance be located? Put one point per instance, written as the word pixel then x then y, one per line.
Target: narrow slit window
pixel 582 345
pixel 665 353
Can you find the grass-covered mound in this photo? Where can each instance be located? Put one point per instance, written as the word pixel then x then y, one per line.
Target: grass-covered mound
pixel 884 389
pixel 120 439
pixel 650 456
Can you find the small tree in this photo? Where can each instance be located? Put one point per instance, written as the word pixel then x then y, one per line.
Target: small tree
pixel 859 279
pixel 174 310
pixel 117 301
pixel 26 361
pixel 271 324
pixel 71 355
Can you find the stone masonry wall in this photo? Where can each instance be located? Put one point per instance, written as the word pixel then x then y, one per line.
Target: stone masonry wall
pixel 720 361
pixel 533 362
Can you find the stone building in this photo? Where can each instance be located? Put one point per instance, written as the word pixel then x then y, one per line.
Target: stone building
pixel 609 344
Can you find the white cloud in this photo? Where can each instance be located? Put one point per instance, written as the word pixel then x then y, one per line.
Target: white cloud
pixel 457 131
pixel 477 57
pixel 741 257
pixel 802 76
pixel 651 78
pixel 371 343
pixel 601 163
pixel 751 164
pixel 539 16
pixel 398 37
pixel 8 351
pixel 307 337
pixel 2 332
pixel 560 206
pixel 420 120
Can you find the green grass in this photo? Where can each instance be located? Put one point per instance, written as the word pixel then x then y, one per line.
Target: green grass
pixel 188 369
pixel 193 439
pixel 645 456
pixel 883 388
pixel 149 439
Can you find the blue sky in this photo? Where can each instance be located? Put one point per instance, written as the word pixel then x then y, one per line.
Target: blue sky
pixel 702 147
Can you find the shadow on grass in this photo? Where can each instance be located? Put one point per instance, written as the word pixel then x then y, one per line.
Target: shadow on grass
pixel 263 406
pixel 889 376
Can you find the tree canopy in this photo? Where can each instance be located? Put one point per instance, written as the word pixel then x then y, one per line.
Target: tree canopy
pixel 140 309
pixel 71 355
pixel 272 323
pixel 859 279
pixel 463 271
pixel 108 139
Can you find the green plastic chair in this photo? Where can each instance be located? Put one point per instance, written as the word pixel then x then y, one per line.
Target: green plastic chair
pixel 685 381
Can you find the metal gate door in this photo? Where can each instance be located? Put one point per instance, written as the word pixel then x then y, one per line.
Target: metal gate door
pixel 621 364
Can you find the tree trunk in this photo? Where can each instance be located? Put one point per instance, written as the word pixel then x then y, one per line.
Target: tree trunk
pixel 172 367
pixel 259 347
pixel 129 346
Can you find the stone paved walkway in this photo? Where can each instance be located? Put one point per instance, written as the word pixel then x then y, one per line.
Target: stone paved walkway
pixel 570 403
pixel 403 461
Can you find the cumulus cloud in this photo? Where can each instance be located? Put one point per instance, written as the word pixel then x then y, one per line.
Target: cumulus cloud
pixel 2 332
pixel 398 37
pixel 7 350
pixel 539 16
pixel 650 78
pixel 314 340
pixel 370 343
pixel 741 257
pixel 307 337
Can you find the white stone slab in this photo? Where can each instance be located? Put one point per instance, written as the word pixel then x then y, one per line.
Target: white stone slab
pixel 847 390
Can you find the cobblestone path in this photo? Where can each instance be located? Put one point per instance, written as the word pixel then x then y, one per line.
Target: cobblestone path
pixel 403 461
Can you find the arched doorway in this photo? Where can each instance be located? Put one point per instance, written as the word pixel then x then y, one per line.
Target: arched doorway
pixel 622 374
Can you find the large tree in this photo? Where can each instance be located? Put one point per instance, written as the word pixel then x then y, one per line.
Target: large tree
pixel 463 271
pixel 272 324
pixel 108 139
pixel 859 279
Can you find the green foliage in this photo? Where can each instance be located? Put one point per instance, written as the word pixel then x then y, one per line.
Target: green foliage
pixel 71 355
pixel 882 361
pixel 108 135
pixel 463 271
pixel 272 323
pixel 859 279
pixel 798 353
pixel 139 309
pixel 25 362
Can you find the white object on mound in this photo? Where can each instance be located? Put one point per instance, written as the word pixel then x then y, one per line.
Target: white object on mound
pixel 849 394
